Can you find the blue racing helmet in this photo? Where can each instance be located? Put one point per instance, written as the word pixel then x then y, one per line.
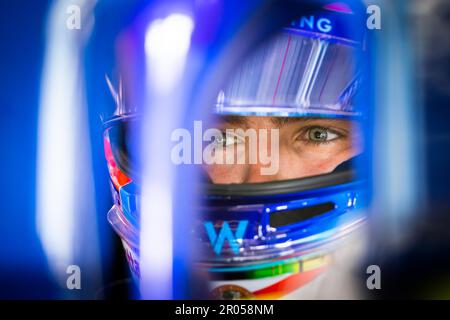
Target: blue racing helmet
pixel 267 240
pixel 281 234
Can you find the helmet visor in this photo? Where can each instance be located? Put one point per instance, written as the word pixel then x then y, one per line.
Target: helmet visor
pixel 297 73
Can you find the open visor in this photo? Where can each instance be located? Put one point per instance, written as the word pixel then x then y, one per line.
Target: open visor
pixel 297 73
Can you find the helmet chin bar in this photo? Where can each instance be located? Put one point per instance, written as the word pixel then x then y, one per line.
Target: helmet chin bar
pixel 282 219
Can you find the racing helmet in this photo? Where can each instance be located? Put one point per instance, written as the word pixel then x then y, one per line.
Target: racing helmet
pixel 265 240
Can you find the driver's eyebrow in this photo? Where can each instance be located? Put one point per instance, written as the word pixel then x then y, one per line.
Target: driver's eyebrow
pixel 235 120
pixel 283 121
pixel 277 121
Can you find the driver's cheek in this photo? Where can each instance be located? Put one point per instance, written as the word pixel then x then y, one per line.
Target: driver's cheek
pixel 322 162
pixel 295 165
pixel 227 173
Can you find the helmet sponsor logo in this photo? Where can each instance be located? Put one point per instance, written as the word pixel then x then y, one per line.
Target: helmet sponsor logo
pixel 313 23
pixel 234 240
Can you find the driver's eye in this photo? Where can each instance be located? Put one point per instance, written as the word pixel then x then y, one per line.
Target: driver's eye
pixel 320 134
